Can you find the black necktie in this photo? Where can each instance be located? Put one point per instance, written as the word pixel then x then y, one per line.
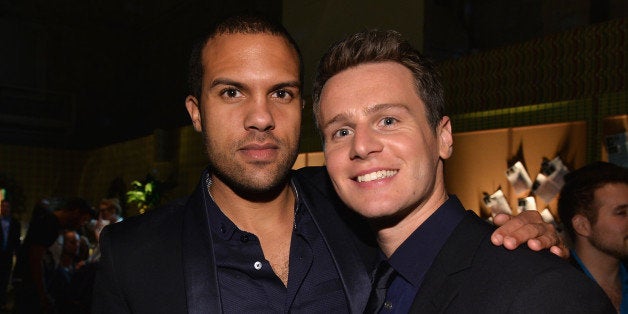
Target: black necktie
pixel 384 275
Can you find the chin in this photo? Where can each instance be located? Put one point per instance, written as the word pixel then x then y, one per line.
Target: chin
pixel 372 212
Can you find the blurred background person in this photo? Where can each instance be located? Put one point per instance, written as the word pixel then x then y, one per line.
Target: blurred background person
pixel 31 266
pixel 593 206
pixel 60 285
pixel 109 211
pixel 9 242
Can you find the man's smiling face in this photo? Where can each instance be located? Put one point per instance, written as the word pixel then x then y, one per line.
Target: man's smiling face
pixel 381 153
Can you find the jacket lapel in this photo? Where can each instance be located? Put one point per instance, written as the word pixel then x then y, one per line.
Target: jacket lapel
pixel 351 256
pixel 447 273
pixel 199 267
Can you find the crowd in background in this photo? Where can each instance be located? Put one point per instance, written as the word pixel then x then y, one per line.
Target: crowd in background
pixel 52 269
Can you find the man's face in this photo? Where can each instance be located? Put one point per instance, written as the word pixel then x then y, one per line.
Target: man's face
pixel 381 153
pixel 70 243
pixel 106 212
pixel 610 233
pixel 250 109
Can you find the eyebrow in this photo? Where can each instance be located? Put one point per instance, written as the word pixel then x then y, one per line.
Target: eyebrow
pixel 621 207
pixel 224 81
pixel 367 111
pixel 290 84
pixel 383 107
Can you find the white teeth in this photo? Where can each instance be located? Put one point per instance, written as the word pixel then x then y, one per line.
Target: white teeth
pixel 377 175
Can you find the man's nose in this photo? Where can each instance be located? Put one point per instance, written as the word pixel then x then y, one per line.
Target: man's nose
pixel 259 115
pixel 364 143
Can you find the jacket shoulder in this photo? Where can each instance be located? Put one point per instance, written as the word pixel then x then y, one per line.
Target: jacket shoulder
pixel 144 227
pixel 471 270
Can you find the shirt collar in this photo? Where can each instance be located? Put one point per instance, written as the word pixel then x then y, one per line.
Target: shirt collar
pixel 220 224
pixel 415 255
pixel 623 274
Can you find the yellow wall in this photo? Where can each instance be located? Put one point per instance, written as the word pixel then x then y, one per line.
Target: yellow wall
pixel 42 172
pixel 481 158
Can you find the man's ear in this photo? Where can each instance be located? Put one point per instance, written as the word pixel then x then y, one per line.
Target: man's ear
pixel 192 104
pixel 581 225
pixel 445 138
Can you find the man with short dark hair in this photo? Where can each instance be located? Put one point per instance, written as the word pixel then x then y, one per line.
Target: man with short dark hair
pixel 254 236
pixel 593 206
pixel 380 108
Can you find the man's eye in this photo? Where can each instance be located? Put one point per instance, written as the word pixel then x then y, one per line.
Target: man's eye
pixel 230 92
pixel 341 133
pixel 283 94
pixel 389 121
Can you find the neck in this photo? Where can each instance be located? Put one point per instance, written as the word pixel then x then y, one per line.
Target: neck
pixel 389 238
pixel 258 215
pixel 602 266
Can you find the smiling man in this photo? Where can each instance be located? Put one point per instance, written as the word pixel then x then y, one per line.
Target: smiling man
pixel 255 236
pixel 380 109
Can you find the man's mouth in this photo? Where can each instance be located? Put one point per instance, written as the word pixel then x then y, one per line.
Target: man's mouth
pixel 260 152
pixel 377 175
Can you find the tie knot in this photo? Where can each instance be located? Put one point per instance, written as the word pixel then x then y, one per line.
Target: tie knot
pixel 382 278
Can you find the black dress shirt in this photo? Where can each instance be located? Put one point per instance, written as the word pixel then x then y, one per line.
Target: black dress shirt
pixel 415 255
pixel 247 281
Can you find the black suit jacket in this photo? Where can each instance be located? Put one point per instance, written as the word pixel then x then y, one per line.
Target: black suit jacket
pixel 471 275
pixel 163 261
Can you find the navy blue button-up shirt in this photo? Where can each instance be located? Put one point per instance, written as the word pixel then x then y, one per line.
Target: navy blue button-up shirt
pixel 415 255
pixel 247 281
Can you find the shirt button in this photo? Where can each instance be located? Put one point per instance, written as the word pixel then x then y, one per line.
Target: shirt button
pixel 223 229
pixel 258 265
pixel 244 238
pixel 388 305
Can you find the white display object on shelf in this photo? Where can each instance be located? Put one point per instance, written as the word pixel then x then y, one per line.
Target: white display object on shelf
pixel 518 177
pixel 550 180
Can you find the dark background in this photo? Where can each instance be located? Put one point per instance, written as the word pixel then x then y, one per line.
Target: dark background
pixel 82 74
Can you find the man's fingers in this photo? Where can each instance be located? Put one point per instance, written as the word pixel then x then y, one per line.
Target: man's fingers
pixel 528 227
pixel 501 219
pixel 561 250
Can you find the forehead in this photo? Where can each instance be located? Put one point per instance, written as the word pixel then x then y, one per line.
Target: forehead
pixel 370 84
pixel 235 52
pixel 612 193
